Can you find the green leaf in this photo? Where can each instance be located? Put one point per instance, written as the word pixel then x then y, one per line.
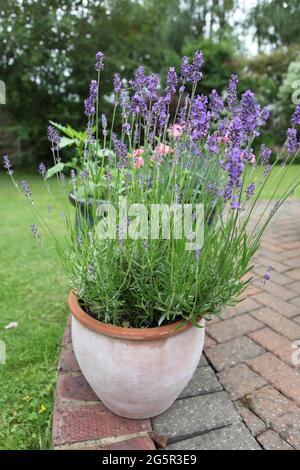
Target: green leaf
pixel 55 169
pixel 66 142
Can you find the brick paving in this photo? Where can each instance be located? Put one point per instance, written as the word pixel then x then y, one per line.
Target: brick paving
pixel 245 393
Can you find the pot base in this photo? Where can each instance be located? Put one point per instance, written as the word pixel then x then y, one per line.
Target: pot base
pixel 137 379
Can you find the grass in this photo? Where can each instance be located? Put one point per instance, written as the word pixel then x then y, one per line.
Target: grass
pixel 33 292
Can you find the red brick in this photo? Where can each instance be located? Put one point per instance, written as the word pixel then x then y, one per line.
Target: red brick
pixel 293 262
pixel 91 422
pixel 296 302
pixel 237 326
pixel 278 304
pixel 233 352
pixel 288 426
pixel 67 338
pixel 292 253
pixel 246 305
pixel 74 388
pixel 139 443
pixel 275 343
pixel 253 422
pixel 271 406
pixel 297 319
pixel 279 267
pixel 291 245
pixel 294 274
pixel 240 380
pixel 295 286
pixel 68 361
pixel 275 247
pixel 265 253
pixel 278 278
pixel 277 322
pixel 270 440
pixel 252 290
pixel 279 374
pixel 275 289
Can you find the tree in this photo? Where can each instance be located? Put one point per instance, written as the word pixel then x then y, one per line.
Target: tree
pixel 276 22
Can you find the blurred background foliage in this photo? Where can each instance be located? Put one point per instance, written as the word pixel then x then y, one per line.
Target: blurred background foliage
pixel 47 49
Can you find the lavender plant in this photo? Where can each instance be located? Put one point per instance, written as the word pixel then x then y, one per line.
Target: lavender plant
pixel 204 154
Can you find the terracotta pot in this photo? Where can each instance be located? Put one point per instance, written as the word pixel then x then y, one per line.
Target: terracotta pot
pixel 137 373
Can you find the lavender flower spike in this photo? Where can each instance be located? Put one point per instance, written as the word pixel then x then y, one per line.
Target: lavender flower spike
pixel 7 165
pixel 42 169
pixel 99 64
pixel 291 143
pixel 53 137
pixel 172 80
pixel 35 231
pixel 232 92
pixel 27 191
pixel 295 119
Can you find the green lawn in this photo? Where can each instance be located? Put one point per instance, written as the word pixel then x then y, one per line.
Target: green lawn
pixel 33 292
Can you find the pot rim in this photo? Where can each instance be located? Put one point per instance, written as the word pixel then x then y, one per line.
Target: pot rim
pixel 134 334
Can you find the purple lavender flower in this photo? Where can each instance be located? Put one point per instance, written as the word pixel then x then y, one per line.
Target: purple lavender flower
pixel 186 70
pixel 216 104
pixel 267 275
pixel 93 89
pixel 126 128
pixel 84 174
pixel 140 80
pixel 117 83
pixel 295 119
pixel 265 154
pixel 232 92
pixel 250 190
pixel 235 203
pixel 7 165
pixel 291 144
pixel 197 65
pixel 121 151
pixel 172 81
pixel 160 111
pixel 79 240
pixel 34 231
pixel 250 112
pixel 153 84
pixel 27 191
pixel 89 106
pixel 199 117
pixel 53 137
pixel 234 168
pixel 212 145
pixel 138 103
pixel 42 169
pixel 99 64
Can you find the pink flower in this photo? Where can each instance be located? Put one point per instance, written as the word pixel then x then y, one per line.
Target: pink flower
pixel 163 149
pixel 176 130
pixel 138 162
pixel 224 139
pixel 138 152
pixel 250 157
